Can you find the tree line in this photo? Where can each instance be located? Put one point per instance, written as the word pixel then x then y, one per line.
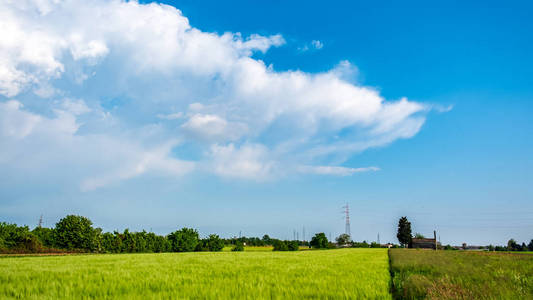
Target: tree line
pixel 405 238
pixel 77 234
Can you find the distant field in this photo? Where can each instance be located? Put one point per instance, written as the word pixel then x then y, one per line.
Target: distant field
pixel 260 248
pixel 461 275
pixel 251 248
pixel 343 273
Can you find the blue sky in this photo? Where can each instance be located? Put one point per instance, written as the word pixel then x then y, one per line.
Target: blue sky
pixel 261 117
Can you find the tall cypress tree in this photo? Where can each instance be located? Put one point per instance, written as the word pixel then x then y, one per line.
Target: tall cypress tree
pixel 404 231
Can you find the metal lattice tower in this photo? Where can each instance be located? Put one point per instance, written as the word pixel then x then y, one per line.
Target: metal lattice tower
pixel 347 217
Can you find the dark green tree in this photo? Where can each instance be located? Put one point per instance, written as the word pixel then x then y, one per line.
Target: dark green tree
pixel 75 232
pixel 523 247
pixel 214 243
pixel 530 246
pixel 375 245
pixel 343 239
pixel 404 231
pixel 15 238
pixel 184 240
pixel 110 242
pixel 362 244
pixel 45 235
pixel 239 246
pixel 280 245
pixel 512 245
pixel 319 241
pixel 293 246
pixel 266 240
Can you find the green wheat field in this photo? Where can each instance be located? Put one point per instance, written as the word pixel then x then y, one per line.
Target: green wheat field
pixel 343 273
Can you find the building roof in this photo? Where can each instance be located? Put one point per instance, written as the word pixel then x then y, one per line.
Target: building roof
pixel 423 240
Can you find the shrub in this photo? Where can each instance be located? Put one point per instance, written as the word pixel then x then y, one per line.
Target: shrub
pixel 184 240
pixel 343 239
pixel 319 241
pixel 293 246
pixel 45 235
pixel 238 246
pixel 18 239
pixel 214 243
pixel 75 232
pixel 280 245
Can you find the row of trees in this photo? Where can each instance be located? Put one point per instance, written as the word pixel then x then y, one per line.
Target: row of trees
pixel 513 245
pixel 404 236
pixel 77 234
pixel 266 240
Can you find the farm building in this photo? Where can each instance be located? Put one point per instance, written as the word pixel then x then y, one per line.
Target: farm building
pixel 424 243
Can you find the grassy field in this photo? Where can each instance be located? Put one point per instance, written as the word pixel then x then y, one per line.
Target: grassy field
pixel 251 248
pixel 461 275
pixel 344 273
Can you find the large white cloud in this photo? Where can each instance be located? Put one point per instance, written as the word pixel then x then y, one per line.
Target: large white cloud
pixel 151 83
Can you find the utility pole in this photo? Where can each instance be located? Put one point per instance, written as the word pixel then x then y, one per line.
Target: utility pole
pixel 40 221
pixel 435 237
pixel 303 234
pixel 378 239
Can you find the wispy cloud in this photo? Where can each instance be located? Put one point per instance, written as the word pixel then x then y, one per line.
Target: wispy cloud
pixel 313 45
pixel 335 170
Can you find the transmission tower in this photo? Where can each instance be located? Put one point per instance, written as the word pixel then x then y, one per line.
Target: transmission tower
pixel 347 217
pixel 40 222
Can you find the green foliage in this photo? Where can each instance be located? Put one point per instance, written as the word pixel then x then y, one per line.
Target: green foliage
pixel 184 240
pixel 293 245
pixel 280 245
pixel 18 239
pixel 448 247
pixel 421 274
pixel 111 243
pixel 45 235
pixel 215 243
pixel 248 241
pixel 419 236
pixel 404 231
pixel 343 239
pixel 267 240
pixel 338 274
pixel 530 245
pixel 319 241
pixel 75 232
pixel 238 247
pixel 512 245
pixel 212 243
pixel 362 244
pixel 375 245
